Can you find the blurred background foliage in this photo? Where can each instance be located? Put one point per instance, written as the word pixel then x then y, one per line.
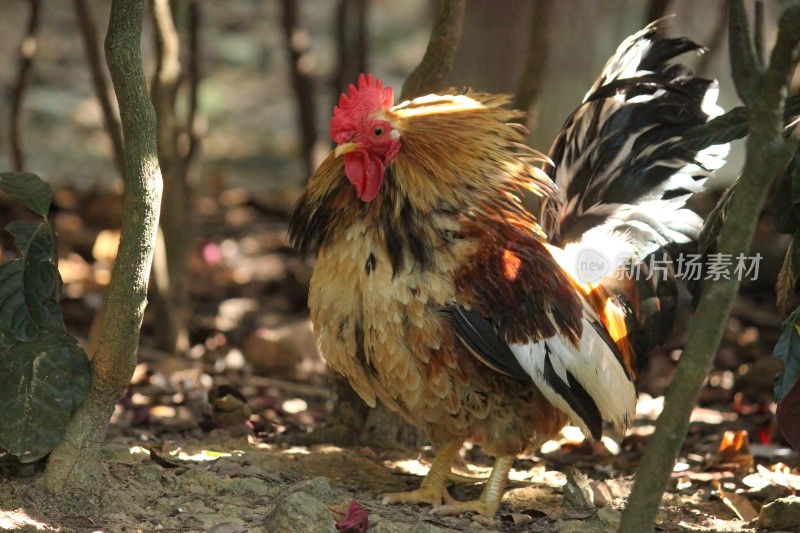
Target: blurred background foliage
pixel 249 126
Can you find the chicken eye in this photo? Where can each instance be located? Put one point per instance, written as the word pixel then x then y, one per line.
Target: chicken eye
pixel 378 131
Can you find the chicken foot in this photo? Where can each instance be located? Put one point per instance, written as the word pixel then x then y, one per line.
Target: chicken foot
pixel 433 490
pixel 489 501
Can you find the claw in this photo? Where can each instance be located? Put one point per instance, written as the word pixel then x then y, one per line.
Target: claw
pixel 431 495
pixel 474 506
pixel 458 479
pixel 434 488
pixel 489 502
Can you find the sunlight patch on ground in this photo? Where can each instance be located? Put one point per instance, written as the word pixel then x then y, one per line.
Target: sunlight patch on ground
pixel 183 455
pixel 326 448
pixel 409 466
pixel 11 520
pixel 202 455
pixel 539 475
pixel 298 450
pixel 135 450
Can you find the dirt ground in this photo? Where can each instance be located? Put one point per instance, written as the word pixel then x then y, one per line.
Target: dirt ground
pixel 225 483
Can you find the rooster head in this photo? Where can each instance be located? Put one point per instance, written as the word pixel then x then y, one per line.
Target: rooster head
pixel 364 134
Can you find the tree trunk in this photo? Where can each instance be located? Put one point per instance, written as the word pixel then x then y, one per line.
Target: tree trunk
pixel 171 258
pixel 768 155
pixel 76 470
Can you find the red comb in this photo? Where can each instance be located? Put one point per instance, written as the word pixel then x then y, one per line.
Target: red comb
pixel 357 105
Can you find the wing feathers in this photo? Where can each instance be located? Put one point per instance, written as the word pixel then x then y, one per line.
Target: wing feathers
pixel 587 381
pixel 478 335
pixel 570 389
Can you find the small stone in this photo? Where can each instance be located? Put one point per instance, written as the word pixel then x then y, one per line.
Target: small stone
pixel 318 487
pixel 578 495
pixel 228 527
pixel 427 527
pixel 250 486
pixel 392 526
pixel 783 513
pixel 286 352
pixel 149 473
pixel 601 492
pixel 300 511
pixel 610 516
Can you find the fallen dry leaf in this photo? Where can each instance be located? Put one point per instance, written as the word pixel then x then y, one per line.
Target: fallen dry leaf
pixel 518 519
pixel 734 450
pixel 602 494
pixel 737 503
pixel 356 519
pixel 780 474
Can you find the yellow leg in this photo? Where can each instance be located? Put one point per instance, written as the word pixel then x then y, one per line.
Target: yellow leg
pixel 489 502
pixel 433 490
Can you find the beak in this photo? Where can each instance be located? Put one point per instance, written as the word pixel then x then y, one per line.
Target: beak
pixel 346 148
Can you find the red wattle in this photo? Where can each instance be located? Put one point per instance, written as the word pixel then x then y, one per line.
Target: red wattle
pixel 365 173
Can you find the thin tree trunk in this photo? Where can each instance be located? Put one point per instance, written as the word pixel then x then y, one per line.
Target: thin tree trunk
pixel 429 75
pixel 76 471
pixel 297 46
pixel 352 43
pixel 768 154
pixel 169 268
pixel 530 83
pixel 656 10
pixel 95 60
pixel 27 52
pixel 193 79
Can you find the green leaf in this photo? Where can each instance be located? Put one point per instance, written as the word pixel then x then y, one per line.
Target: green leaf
pixel 788 350
pixel 27 285
pixel 787 277
pixel 28 189
pixel 715 220
pixel 786 206
pixel 41 384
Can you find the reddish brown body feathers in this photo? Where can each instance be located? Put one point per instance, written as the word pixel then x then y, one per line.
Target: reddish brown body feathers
pixel 446 230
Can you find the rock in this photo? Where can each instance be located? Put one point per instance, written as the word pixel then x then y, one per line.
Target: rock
pixel 228 527
pixel 578 495
pixel 783 513
pixel 605 519
pixel 286 352
pixel 250 486
pixel 427 527
pixel 391 526
pixel 300 512
pixel 198 481
pixel 609 516
pixel 234 311
pixel 149 473
pixel 318 487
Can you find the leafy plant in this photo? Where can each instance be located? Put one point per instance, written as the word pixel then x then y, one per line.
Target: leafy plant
pixel 787 387
pixel 786 219
pixel 44 373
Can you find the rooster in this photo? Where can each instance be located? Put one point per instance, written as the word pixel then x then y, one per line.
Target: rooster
pixel 437 292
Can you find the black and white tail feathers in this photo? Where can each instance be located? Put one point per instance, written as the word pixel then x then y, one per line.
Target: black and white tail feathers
pixel 624 172
pixel 619 156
